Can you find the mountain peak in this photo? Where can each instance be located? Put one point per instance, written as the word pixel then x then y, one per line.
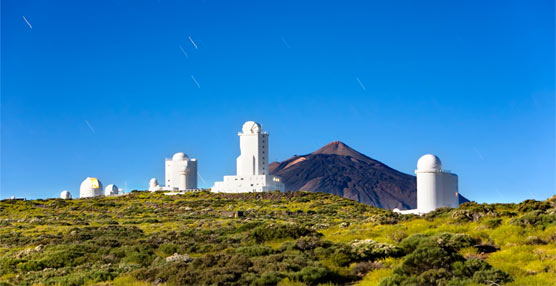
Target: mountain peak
pixel 337 148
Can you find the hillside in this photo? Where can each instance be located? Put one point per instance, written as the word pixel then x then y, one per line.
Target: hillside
pixel 340 170
pixel 296 238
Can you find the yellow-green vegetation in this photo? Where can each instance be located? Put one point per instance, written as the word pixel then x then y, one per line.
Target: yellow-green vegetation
pixel 274 238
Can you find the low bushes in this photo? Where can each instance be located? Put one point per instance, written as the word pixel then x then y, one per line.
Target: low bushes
pixel 434 260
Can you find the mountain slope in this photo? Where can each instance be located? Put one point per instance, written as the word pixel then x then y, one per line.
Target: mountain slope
pixel 338 169
pixel 270 238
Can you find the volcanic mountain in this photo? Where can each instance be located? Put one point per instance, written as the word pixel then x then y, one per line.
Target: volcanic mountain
pixel 338 169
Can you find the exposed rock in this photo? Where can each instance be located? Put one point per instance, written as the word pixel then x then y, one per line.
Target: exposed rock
pixel 28 251
pixel 178 258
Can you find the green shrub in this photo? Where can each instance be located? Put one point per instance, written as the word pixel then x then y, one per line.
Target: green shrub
pixel 536 218
pixel 428 255
pixel 372 250
pixel 268 278
pixel 493 223
pixel 277 231
pixel 168 248
pixel 313 275
pixel 490 276
pixel 411 243
pixel 256 250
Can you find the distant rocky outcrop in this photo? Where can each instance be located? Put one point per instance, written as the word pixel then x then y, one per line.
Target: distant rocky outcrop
pixel 178 258
pixel 338 169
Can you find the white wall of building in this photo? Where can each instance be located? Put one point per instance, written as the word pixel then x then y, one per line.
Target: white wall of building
pixel 178 168
pixel 451 190
pixel 436 188
pixel 253 144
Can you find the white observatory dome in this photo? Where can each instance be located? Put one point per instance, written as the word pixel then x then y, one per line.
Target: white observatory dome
pixel 180 156
pixel 251 127
pixel 429 162
pixel 90 187
pixel 153 183
pixel 111 190
pixel 65 195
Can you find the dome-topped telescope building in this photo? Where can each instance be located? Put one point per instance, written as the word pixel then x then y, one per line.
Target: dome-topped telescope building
pixel 436 187
pixel 65 194
pixel 181 174
pixel 111 190
pixel 252 164
pixel 90 187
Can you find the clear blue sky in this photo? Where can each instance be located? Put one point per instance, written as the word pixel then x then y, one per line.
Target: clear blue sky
pixel 102 88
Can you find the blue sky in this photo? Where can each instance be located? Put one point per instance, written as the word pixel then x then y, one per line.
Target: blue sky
pixel 106 88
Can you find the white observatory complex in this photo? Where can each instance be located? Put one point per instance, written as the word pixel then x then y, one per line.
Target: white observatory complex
pixel 436 187
pixel 66 195
pixel 181 174
pixel 90 187
pixel 252 164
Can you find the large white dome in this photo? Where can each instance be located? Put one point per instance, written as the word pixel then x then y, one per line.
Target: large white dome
pixel 111 190
pixel 429 162
pixel 65 195
pixel 180 156
pixel 251 127
pixel 90 187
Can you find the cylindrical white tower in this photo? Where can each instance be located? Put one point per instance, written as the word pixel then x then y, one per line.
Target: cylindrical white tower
pixel 65 195
pixel 429 183
pixel 253 144
pixel 183 178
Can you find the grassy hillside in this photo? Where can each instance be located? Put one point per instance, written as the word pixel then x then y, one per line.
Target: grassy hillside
pixel 271 239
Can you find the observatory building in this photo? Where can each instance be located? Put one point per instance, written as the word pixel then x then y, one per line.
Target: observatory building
pixel 90 187
pixel 252 164
pixel 181 174
pixel 111 190
pixel 66 195
pixel 436 187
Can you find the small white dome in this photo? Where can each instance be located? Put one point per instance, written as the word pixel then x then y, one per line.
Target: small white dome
pixel 153 183
pixel 429 162
pixel 65 195
pixel 90 187
pixel 111 190
pixel 251 127
pixel 180 156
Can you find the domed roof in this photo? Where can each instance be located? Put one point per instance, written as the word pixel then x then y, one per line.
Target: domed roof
pixel 153 182
pixel 180 156
pixel 111 190
pixel 90 187
pixel 65 195
pixel 251 127
pixel 429 162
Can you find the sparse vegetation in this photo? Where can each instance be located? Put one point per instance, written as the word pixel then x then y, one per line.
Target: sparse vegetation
pixel 279 239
